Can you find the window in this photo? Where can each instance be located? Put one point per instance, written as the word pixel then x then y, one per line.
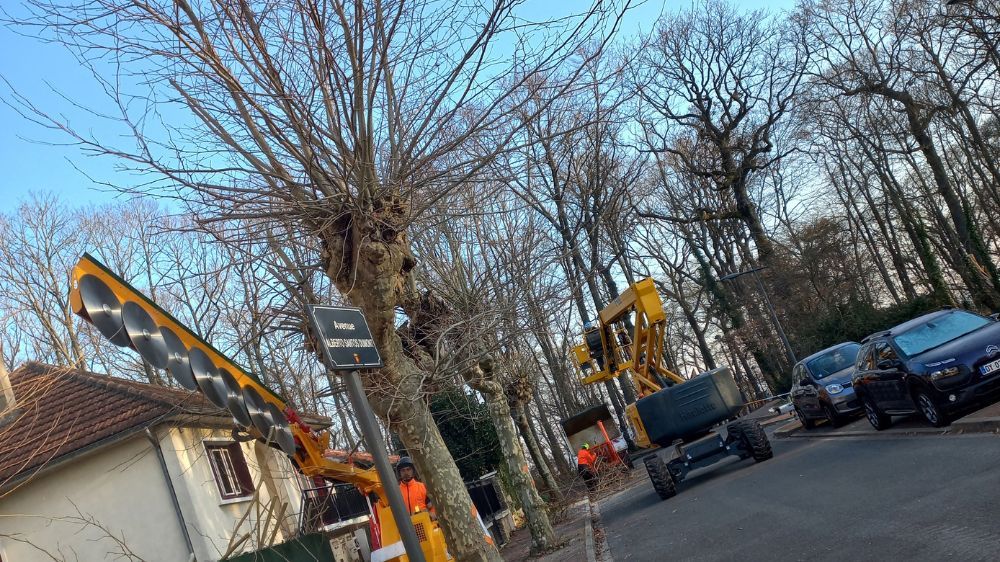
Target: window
pixel 230 469
pixel 939 330
pixel 834 361
pixel 865 359
pixel 885 352
pixel 798 373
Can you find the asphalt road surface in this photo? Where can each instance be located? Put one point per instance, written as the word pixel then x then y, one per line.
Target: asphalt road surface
pixel 903 498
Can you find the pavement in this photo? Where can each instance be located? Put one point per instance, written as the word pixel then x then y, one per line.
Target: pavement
pixel 869 496
pixel 573 528
pixel 884 497
pixel 984 420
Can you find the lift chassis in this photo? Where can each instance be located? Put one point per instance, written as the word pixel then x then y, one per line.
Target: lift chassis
pixel 667 466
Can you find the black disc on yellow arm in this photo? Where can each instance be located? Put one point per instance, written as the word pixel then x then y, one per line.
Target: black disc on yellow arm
pixel 177 359
pixel 207 376
pixel 282 433
pixel 104 309
pixel 257 408
pixel 234 399
pixel 145 334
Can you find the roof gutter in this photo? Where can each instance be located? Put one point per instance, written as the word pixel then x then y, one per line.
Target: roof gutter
pixel 173 494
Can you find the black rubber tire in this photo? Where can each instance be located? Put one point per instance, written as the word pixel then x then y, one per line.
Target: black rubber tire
pixel 929 410
pixel 832 416
pixel 880 421
pixel 659 475
pixel 755 440
pixel 806 422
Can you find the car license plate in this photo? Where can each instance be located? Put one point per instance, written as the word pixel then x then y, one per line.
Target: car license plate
pixel 990 368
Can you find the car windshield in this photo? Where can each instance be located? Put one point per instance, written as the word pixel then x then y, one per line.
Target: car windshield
pixel 833 361
pixel 939 331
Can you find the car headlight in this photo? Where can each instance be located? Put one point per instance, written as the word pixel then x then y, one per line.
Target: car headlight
pixel 945 373
pixel 834 388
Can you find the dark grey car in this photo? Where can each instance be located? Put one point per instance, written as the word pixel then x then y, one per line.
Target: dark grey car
pixel 822 386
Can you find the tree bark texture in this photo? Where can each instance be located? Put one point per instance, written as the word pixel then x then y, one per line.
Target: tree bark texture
pixel 371 267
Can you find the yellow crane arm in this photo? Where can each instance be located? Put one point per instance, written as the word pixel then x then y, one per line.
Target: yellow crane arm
pixel 639 354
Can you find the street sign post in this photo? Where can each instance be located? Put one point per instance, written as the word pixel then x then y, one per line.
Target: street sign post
pixel 347 341
pixel 348 346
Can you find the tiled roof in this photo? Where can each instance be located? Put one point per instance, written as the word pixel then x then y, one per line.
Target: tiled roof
pixel 61 411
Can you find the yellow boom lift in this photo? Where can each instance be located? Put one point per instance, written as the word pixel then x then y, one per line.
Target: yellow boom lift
pixel 129 319
pixel 690 422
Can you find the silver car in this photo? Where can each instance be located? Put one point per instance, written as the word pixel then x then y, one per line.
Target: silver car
pixel 821 388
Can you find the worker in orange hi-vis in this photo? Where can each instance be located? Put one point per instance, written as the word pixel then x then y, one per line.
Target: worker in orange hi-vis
pixel 414 491
pixel 585 465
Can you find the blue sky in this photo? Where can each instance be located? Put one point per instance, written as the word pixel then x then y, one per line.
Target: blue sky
pixel 35 159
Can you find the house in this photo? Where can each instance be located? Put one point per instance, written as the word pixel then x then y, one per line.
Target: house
pixel 98 468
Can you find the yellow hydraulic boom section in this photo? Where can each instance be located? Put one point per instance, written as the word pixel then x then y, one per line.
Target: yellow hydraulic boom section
pixel 609 349
pixel 129 319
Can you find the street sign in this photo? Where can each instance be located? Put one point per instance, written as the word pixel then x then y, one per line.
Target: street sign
pixel 345 337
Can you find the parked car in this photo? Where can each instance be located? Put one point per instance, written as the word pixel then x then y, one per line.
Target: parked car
pixel 934 364
pixel 822 386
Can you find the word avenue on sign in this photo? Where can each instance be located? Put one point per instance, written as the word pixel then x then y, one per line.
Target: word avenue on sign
pixel 345 337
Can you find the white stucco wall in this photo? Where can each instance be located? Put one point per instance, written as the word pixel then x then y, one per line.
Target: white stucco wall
pixel 122 487
pixel 212 521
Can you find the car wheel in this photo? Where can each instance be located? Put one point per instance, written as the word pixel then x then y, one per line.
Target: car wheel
pixel 832 416
pixel 806 422
pixel 659 475
pixel 931 412
pixel 875 416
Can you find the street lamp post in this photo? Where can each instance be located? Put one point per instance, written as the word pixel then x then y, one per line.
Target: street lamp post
pixel 770 308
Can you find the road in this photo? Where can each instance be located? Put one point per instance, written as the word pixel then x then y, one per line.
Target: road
pixel 874 498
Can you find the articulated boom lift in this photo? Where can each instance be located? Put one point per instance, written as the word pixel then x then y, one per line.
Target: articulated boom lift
pixel 691 421
pixel 128 318
pixel 611 351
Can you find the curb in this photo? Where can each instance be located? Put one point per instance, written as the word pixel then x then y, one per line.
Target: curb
pixel 592 518
pixel 977 425
pixel 588 534
pixel 960 426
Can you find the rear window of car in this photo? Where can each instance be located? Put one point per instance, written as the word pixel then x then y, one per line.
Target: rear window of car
pixel 833 361
pixel 939 330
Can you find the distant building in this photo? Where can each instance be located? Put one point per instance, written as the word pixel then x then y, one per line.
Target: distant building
pixel 94 467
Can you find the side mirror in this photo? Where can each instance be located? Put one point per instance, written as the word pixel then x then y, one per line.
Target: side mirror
pixel 889 364
pixel 995 317
pixel 805 382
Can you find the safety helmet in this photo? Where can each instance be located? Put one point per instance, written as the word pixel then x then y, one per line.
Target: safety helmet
pixel 586 446
pixel 588 325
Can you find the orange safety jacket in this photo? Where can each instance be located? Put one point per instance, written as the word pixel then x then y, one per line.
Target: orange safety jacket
pixel 585 457
pixel 414 495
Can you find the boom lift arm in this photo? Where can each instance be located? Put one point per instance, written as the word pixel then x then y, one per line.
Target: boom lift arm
pixel 610 350
pixel 100 297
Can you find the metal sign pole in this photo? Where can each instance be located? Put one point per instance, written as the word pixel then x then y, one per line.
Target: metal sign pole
pixel 352 333
pixel 373 439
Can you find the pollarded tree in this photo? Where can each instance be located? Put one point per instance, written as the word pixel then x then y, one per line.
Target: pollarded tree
pixel 344 119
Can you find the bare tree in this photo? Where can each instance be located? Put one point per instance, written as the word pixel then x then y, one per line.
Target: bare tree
pixel 346 120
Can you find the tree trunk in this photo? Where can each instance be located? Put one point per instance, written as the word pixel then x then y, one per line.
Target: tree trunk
pixel 483 379
pixel 534 450
pixel 980 269
pixel 562 464
pixel 374 275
